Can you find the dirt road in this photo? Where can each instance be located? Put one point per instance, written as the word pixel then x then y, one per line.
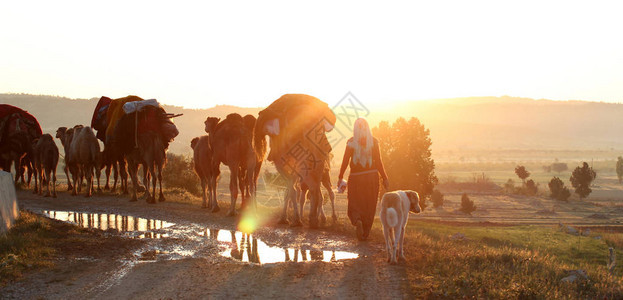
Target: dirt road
pixel 195 254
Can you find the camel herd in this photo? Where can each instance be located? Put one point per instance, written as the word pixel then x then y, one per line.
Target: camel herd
pixel 137 132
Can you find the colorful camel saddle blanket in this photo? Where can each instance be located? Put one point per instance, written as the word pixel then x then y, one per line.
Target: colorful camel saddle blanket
pixel 115 112
pixel 99 121
pixel 14 120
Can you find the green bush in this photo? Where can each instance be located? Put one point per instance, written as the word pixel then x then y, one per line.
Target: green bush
pixel 437 198
pixel 467 205
pixel 558 189
pixel 179 173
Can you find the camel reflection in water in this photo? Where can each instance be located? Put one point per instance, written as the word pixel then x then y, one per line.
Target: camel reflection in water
pixel 116 222
pixel 248 248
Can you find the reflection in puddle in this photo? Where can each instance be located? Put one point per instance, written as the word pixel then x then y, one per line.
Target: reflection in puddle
pixel 106 221
pixel 247 248
pixel 170 241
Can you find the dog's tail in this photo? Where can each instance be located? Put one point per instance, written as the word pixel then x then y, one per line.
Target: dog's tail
pixel 392 217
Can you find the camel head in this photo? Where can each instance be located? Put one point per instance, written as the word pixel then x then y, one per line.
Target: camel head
pixel 194 142
pixel 60 132
pixel 210 124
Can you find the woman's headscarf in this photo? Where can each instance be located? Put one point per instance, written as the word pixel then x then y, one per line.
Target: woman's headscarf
pixel 362 143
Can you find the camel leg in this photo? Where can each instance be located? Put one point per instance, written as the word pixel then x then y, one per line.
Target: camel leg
pixel 251 188
pixel 107 170
pixel 332 198
pixel 98 173
pixel 116 174
pixel 146 179
pixel 213 185
pixel 30 173
pixel 302 198
pixel 69 185
pixel 123 171
pixel 233 189
pixel 154 182
pixel 242 185
pixel 286 199
pixel 161 197
pixel 54 183
pixel 132 168
pixel 204 185
pixel 36 182
pixel 47 172
pixel 323 218
pixel 297 217
pixel 74 175
pixel 89 181
pixel 313 211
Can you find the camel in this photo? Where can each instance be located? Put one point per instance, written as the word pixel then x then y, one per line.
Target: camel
pixel 208 174
pixel 296 125
pixel 210 167
pixel 232 145
pixel 246 183
pixel 83 153
pixel 147 148
pixel 45 160
pixel 18 129
pixel 65 135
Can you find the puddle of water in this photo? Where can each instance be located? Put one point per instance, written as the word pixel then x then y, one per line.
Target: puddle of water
pixel 187 243
pixel 105 221
pixel 247 248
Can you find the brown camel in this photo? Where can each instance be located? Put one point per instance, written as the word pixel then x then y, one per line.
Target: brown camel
pixel 208 174
pixel 296 125
pixel 18 129
pixel 138 137
pixel 247 184
pixel 210 166
pixel 45 160
pixel 232 145
pixel 83 154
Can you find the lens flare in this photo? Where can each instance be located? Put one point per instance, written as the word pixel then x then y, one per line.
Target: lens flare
pixel 248 223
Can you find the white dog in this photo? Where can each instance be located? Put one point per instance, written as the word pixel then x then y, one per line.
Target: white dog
pixel 395 208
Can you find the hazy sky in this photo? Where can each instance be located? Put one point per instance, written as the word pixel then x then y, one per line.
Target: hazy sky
pixel 197 54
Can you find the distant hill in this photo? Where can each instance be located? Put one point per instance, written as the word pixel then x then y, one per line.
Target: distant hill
pixel 516 123
pixel 53 112
pixel 455 124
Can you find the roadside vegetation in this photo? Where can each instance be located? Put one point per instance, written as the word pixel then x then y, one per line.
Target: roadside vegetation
pixel 36 243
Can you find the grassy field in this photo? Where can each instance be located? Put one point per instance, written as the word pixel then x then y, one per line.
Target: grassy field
pixel 506 262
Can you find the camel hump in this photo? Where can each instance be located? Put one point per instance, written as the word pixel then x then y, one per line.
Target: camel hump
pixel 234 117
pixel 249 122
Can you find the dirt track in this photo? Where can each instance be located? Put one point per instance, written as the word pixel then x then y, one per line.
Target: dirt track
pixel 188 264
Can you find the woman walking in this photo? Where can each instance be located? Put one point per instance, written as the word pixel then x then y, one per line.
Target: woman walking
pixel 364 156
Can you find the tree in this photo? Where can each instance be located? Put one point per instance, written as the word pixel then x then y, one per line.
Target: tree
pixel 558 189
pixel 559 167
pixel 531 187
pixel 509 186
pixel 467 205
pixel 620 168
pixel 522 173
pixel 581 179
pixel 437 198
pixel 406 154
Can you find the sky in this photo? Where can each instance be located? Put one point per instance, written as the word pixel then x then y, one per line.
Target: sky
pixel 199 54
